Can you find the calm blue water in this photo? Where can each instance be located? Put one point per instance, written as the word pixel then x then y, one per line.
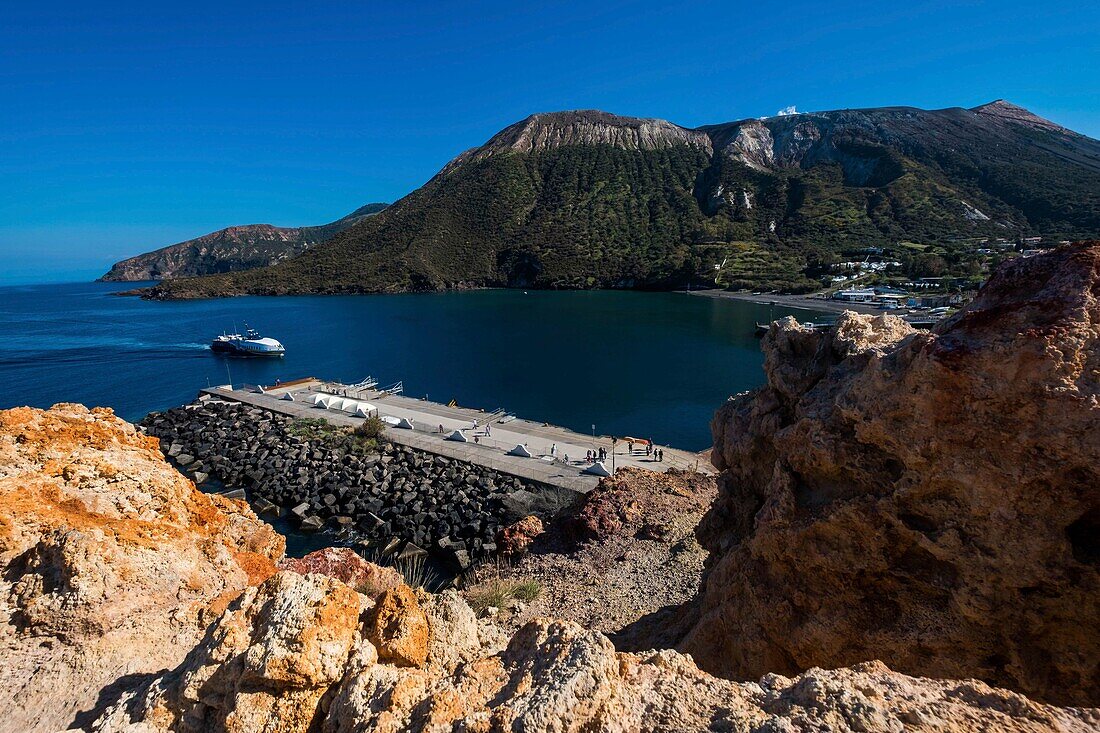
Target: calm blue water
pixel 647 364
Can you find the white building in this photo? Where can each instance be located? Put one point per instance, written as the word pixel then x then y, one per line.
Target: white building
pixel 855 295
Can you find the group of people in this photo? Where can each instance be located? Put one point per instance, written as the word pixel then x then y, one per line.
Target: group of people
pixel 654 453
pixel 600 454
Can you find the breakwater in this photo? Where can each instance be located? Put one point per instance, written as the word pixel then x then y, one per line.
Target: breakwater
pixel 395 498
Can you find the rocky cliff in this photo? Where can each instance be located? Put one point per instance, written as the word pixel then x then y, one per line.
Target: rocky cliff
pixel 231 249
pixel 293 655
pixel 931 500
pixel 545 132
pixel 135 603
pixel 113 562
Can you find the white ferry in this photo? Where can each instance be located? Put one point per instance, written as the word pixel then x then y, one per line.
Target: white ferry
pixel 249 344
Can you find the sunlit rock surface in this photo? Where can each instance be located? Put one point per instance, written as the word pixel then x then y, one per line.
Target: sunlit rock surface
pixel 114 562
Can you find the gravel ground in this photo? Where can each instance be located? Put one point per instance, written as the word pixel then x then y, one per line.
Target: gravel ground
pixel 627 552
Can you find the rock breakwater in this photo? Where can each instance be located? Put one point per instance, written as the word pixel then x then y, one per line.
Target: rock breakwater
pixel 387 495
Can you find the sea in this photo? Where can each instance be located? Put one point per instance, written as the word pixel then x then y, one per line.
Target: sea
pixel 653 365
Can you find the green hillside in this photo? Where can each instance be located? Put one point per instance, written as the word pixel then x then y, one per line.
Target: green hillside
pixel 588 199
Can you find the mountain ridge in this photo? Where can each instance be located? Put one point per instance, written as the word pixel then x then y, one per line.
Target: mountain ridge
pixel 233 248
pixel 586 198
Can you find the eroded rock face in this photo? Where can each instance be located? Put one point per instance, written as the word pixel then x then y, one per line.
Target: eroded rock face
pixel 264 665
pixel 553 676
pixel 928 499
pixel 113 562
pixel 591 127
pixel 398 628
pixel 515 540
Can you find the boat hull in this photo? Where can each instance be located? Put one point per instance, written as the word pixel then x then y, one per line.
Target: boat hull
pixel 223 349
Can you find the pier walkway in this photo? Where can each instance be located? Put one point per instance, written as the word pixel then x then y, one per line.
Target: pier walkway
pixel 558 454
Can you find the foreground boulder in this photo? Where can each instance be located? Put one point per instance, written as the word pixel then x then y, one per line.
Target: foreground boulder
pixel 287 657
pixel 113 562
pixel 264 665
pixel 928 499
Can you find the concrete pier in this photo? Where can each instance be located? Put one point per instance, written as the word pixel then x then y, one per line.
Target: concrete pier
pixel 557 454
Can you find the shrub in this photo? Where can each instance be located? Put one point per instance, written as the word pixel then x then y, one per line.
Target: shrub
pixel 371 428
pixel 499 592
pixel 313 428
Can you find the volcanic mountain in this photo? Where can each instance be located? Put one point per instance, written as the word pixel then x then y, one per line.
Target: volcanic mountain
pixel 588 199
pixel 232 249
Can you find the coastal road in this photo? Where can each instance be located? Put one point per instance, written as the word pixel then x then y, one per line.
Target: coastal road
pixel 808 302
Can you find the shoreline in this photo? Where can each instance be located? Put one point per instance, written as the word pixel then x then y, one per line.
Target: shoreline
pixel 801 302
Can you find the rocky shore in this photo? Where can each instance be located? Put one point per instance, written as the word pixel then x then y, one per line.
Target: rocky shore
pixel 134 603
pixel 890 500
pixel 398 500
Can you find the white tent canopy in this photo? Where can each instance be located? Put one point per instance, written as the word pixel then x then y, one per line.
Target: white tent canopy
pixel 318 399
pixel 458 436
pixel 348 405
pixel 597 469
pixel 390 420
pixel 287 396
pixel 404 424
pixel 520 450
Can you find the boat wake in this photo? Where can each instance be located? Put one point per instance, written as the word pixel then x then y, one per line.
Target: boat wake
pixel 35 351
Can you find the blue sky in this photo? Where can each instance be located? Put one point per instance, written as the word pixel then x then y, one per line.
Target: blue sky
pixel 123 129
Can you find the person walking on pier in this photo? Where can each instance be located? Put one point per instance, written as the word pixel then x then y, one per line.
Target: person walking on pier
pixel 553 450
